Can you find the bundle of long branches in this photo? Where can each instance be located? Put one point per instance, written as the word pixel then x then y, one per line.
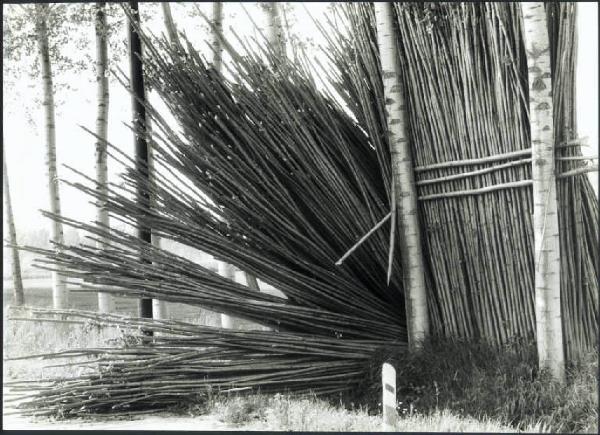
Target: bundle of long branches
pixel 465 71
pixel 183 362
pixel 268 173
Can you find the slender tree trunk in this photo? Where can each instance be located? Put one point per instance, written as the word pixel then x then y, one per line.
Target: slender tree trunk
pixel 141 146
pixel 224 269
pixel 169 23
pixel 18 294
pixel 60 295
pixel 216 35
pixel 227 271
pixel 159 308
pixel 403 179
pixel 275 30
pixel 545 215
pixel 105 300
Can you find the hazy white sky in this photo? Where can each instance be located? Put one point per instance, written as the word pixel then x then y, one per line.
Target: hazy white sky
pixel 24 143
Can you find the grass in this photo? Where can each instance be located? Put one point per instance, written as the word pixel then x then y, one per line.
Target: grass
pixel 286 413
pixel 474 380
pixel 448 386
pixel 22 338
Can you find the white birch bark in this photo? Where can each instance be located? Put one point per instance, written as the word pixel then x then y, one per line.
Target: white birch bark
pixel 227 271
pixel 216 36
pixel 169 23
pixel 18 294
pixel 159 308
pixel 545 214
pixel 224 269
pixel 60 295
pixel 403 178
pixel 275 29
pixel 105 300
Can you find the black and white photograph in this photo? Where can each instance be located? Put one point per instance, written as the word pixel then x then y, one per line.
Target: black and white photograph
pixel 300 216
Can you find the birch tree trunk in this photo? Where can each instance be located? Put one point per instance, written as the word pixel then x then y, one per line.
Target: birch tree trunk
pixel 545 215
pixel 227 271
pixel 60 295
pixel 169 23
pixel 275 30
pixel 217 34
pixel 224 269
pixel 105 300
pixel 403 179
pixel 159 308
pixel 18 294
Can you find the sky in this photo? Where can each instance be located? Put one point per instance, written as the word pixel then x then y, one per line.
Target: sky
pixel 24 141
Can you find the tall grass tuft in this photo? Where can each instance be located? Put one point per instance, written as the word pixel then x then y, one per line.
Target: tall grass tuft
pixel 477 380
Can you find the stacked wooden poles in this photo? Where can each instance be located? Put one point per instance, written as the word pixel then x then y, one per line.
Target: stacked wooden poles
pixel 141 146
pixel 310 190
pixel 105 300
pixel 469 126
pixel 60 293
pixel 18 294
pixel 275 177
pixel 404 200
pixel 471 238
pixel 159 308
pixel 577 201
pixel 187 362
pixel 549 336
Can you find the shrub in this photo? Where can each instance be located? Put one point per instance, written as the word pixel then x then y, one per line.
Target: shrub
pixel 239 409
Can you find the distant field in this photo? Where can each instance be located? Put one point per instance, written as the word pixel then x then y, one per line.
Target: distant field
pixel 38 293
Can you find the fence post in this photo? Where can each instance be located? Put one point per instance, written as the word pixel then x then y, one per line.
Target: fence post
pixel 388 378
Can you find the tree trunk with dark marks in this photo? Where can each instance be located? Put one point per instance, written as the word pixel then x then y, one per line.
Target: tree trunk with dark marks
pixel 275 30
pixel 60 294
pixel 105 300
pixel 18 294
pixel 403 186
pixel 216 35
pixel 545 215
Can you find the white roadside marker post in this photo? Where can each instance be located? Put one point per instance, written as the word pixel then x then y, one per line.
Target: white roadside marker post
pixel 388 378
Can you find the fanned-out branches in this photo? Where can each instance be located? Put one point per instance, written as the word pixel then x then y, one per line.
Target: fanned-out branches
pixel 269 174
pixel 466 75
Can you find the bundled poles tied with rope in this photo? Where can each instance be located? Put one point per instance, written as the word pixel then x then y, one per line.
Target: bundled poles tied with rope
pixel 465 72
pixel 280 178
pixel 404 200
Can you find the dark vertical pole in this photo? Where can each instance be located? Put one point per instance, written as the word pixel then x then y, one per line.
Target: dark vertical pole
pixel 139 124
